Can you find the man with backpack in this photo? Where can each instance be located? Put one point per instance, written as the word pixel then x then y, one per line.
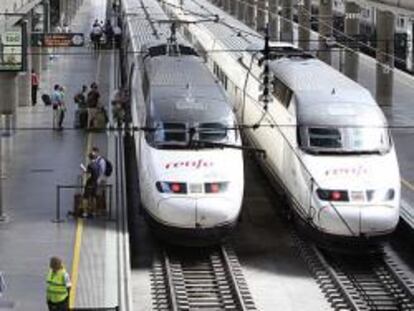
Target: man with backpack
pixel 105 170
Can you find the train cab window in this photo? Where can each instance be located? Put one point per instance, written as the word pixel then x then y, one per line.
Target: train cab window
pixel 158 50
pixel 325 137
pixel 346 140
pixel 212 131
pixel 282 93
pixel 167 135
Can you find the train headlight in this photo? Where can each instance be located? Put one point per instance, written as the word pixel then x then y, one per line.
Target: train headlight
pixel 215 187
pixel 380 195
pixel 332 195
pixel 171 187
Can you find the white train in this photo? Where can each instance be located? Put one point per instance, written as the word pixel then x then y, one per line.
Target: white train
pixel 326 139
pixel 191 187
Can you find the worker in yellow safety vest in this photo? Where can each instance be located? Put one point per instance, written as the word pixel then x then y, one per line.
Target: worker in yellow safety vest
pixel 58 286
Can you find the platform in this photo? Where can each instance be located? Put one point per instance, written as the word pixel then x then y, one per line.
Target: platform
pixel 35 159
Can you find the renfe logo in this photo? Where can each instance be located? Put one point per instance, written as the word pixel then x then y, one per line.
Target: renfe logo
pixel 357 171
pixel 190 164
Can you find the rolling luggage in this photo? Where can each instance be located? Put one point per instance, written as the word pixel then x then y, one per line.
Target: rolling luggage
pixel 46 99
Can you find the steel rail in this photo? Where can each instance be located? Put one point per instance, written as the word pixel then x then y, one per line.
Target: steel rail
pixel 202 280
pixel 364 282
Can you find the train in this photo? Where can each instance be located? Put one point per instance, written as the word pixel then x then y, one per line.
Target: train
pixel 190 162
pixel 327 141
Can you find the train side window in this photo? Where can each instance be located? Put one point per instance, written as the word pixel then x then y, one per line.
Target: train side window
pixel 282 93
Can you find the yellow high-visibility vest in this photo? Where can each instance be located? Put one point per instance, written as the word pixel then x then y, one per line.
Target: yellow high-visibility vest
pixel 56 286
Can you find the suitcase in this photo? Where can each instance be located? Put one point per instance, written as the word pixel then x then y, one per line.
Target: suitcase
pixel 46 99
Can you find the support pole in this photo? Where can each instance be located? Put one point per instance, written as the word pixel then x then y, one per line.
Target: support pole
pixel 46 29
pixel 240 10
pixel 385 56
pixel 25 77
pixel 261 15
pixel 352 17
pixel 325 30
pixel 286 31
pixel 274 19
pixel 304 10
pixel 252 15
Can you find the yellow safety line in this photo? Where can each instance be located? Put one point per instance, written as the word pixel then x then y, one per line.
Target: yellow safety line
pixel 78 243
pixel 75 261
pixel 79 224
pixel 407 184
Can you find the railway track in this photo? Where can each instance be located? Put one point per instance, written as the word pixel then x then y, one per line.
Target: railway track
pixel 199 279
pixel 359 282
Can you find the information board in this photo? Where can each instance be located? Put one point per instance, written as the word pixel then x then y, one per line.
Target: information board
pixel 58 39
pixel 11 49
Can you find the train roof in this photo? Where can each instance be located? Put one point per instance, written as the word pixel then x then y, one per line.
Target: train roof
pixel 183 90
pixel 324 95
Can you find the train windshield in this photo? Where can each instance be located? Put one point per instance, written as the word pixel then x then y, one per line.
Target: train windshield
pixel 168 135
pixel 344 140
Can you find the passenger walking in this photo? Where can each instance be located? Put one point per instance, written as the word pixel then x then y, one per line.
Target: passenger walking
pixel 58 286
pixel 35 86
pixel 96 34
pixel 92 102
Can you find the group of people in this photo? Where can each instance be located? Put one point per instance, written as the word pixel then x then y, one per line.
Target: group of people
pixel 91 113
pixel 106 33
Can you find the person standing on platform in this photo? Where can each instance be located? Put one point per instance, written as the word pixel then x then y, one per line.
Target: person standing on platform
pixel 61 107
pixel 56 99
pixel 92 102
pixel 35 86
pixel 91 185
pixel 58 286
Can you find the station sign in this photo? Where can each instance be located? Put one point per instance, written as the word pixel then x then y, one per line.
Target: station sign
pixel 11 49
pixel 71 39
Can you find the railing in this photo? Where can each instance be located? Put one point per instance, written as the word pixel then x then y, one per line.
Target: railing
pixel 58 217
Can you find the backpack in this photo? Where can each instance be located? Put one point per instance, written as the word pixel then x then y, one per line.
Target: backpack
pixel 108 167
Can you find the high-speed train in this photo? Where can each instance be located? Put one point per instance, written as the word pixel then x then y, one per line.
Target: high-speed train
pixel 326 139
pixel 189 158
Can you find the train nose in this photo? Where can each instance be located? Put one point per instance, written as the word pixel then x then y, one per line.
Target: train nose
pixel 179 212
pixel 359 220
pixel 215 211
pixel 197 213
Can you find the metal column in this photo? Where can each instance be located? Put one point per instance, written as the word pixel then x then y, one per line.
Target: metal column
pixel 274 19
pixel 233 7
pixel 385 56
pixel 304 11
pixel 286 31
pixel 352 16
pixel 24 80
pixel 252 14
pixel 325 30
pixel 240 10
pixel 261 15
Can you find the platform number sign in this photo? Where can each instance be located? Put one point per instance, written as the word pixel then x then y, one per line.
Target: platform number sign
pixel 11 47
